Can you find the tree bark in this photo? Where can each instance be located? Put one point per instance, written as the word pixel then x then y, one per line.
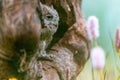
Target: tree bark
pixel 21 55
pixel 71 47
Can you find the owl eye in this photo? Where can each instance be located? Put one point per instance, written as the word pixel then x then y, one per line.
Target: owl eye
pixel 49 17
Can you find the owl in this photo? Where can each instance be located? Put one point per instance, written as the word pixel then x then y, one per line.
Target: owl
pixel 49 20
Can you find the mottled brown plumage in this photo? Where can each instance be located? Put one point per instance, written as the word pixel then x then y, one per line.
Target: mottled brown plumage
pixel 49 20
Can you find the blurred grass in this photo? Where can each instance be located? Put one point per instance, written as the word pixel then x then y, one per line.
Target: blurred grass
pixel 108 13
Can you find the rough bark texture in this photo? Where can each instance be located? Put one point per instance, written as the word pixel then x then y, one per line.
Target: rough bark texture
pixel 25 55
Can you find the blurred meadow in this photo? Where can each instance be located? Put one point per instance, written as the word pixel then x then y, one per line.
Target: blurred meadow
pixel 108 13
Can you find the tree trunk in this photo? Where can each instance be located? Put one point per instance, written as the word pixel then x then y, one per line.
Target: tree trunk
pixel 42 39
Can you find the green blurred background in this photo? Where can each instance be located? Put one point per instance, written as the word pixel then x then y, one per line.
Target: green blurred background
pixel 108 13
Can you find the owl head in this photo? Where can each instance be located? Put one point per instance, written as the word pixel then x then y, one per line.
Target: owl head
pixel 50 18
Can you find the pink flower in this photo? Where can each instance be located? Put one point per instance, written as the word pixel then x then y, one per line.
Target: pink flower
pixel 93 28
pixel 98 57
pixel 117 41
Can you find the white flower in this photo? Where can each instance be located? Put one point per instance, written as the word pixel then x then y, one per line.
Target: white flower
pixel 93 28
pixel 98 57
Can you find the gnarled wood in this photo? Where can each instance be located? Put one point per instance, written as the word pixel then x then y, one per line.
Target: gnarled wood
pixel 71 49
pixel 64 57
